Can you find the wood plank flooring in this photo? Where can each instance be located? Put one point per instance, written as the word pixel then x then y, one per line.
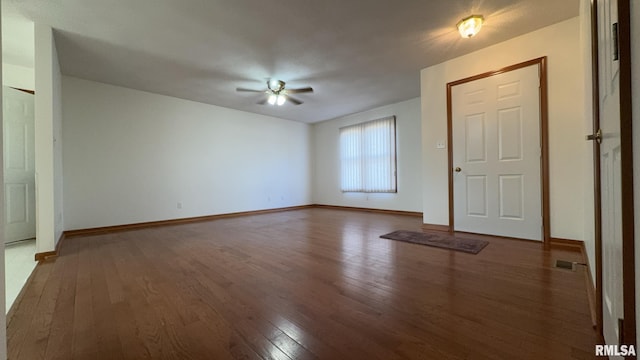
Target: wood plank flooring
pixel 304 284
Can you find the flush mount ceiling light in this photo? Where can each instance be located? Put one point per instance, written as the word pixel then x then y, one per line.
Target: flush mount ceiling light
pixel 470 26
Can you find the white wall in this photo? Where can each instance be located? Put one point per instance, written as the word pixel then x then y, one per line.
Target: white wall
pixel 58 201
pixel 326 179
pixel 48 118
pixel 19 77
pixel 561 44
pixel 3 305
pixel 131 156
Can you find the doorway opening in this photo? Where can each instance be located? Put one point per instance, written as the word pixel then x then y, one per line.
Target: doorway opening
pixel 19 188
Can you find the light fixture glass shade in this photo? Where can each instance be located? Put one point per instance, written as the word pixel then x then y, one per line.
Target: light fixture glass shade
pixel 272 99
pixel 276 85
pixel 470 26
pixel 281 99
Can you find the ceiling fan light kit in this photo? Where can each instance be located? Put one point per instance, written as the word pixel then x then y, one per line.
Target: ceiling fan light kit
pixel 276 99
pixel 277 94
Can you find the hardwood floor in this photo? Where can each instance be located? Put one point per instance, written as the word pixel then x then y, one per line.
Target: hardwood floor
pixel 304 284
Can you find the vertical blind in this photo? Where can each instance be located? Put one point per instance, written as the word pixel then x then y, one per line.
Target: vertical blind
pixel 368 156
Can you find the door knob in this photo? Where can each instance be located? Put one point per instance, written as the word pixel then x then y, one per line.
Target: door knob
pixel 597 136
pixel 457 169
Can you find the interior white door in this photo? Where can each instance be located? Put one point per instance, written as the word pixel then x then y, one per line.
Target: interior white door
pixel 19 165
pixel 496 155
pixel 610 173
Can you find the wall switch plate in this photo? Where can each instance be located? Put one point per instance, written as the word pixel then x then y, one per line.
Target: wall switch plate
pixel 441 144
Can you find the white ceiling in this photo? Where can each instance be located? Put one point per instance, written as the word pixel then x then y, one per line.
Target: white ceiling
pixel 356 54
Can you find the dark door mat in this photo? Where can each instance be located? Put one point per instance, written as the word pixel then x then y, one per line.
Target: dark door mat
pixel 444 240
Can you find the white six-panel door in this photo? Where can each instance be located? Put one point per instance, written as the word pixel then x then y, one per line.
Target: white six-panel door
pixel 19 165
pixel 497 155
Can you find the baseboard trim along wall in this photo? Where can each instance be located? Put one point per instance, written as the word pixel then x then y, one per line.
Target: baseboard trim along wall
pixel 436 227
pixel 578 245
pixel 575 245
pixel 47 255
pixel 117 228
pixel 381 211
pixel 42 256
pixel 591 288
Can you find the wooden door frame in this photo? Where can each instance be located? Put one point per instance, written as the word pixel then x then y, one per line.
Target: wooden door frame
pixel 541 62
pixel 597 193
pixel 626 161
pixel 32 92
pixel 626 149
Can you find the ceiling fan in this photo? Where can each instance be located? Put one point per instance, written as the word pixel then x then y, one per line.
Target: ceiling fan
pixel 277 94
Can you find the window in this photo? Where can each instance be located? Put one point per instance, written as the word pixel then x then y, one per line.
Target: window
pixel 368 156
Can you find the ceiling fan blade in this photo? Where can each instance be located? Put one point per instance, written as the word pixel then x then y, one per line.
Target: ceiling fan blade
pixel 294 100
pixel 300 90
pixel 262 102
pixel 249 90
